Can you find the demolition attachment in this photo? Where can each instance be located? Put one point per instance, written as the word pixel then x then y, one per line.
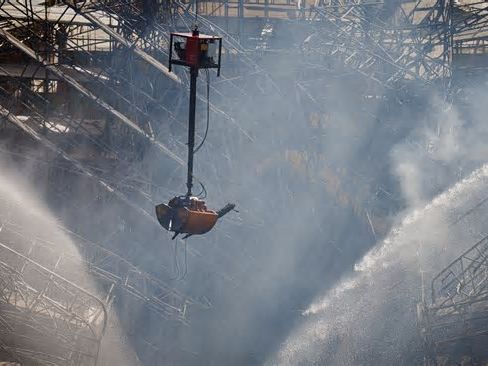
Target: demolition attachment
pixel 188 214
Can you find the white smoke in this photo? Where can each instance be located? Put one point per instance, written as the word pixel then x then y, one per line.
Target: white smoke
pixel 369 317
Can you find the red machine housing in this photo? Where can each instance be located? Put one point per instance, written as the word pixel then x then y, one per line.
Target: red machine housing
pixel 195 50
pixel 192 50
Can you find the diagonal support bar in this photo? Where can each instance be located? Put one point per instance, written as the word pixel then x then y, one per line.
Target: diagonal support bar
pixel 84 91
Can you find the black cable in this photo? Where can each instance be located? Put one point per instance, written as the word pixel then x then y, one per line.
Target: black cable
pixel 208 113
pixel 203 192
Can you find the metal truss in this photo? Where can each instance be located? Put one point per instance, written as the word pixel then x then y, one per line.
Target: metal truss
pixel 459 303
pixel 469 19
pixel 387 45
pixel 72 54
pixel 394 43
pixel 66 51
pixel 46 318
pixel 107 54
pixel 464 281
pixel 143 30
pixel 111 271
pixel 97 50
pixel 453 322
pixel 91 76
pixel 79 165
pixel 65 92
pixel 98 55
pixel 40 278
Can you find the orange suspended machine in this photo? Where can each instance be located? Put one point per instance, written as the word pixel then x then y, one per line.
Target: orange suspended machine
pixel 188 214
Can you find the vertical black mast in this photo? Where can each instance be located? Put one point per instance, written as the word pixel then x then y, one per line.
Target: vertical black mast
pixel 191 127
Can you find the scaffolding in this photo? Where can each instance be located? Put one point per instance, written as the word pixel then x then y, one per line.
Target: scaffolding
pixel 52 311
pixel 88 81
pixel 453 315
pixel 45 317
pixel 454 324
